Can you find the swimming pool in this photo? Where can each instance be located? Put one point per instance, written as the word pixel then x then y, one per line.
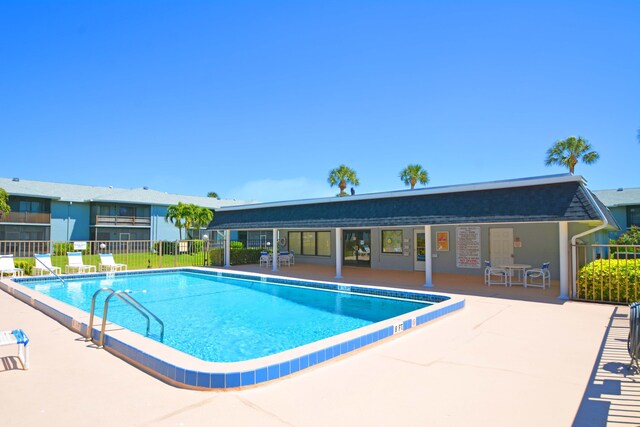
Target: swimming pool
pixel 238 329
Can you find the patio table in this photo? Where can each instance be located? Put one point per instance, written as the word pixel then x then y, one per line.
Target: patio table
pixel 516 273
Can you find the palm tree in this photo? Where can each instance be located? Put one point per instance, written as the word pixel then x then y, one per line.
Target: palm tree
pixel 4 206
pixel 213 195
pixel 569 151
pixel 414 173
pixel 340 176
pixel 177 214
pixel 201 217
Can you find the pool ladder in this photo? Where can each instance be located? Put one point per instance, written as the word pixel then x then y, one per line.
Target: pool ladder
pixel 126 298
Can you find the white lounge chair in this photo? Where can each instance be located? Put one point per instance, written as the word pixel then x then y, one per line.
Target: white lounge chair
pixel 17 337
pixel 8 267
pixel 44 266
pixel 107 263
pixel 76 264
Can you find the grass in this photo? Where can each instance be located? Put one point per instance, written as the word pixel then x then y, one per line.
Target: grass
pixel 134 261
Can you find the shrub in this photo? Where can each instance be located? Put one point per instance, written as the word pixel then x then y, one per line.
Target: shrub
pixel 610 280
pixel 238 256
pixel 62 248
pixel 236 245
pixel 25 265
pixel 196 246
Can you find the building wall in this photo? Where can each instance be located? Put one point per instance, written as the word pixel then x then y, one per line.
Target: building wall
pixel 70 221
pixel 161 229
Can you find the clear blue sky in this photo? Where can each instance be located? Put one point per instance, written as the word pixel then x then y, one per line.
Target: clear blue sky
pixel 260 100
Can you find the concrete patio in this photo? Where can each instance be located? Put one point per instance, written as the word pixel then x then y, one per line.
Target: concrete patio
pixel 512 356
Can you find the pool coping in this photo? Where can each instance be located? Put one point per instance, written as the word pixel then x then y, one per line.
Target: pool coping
pixel 186 371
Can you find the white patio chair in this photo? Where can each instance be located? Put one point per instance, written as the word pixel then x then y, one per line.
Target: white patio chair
pixel 8 267
pixel 76 264
pixel 283 258
pixel 107 263
pixel 265 259
pixel 538 277
pixel 292 258
pixel 17 337
pixel 44 266
pixel 495 276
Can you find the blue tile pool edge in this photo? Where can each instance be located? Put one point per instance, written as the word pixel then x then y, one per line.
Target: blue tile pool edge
pixel 268 368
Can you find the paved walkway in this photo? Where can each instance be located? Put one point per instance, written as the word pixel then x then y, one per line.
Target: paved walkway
pixel 501 361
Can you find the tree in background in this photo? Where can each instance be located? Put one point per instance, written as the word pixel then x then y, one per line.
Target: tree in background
pixel 213 195
pixel 201 217
pixel 4 205
pixel 340 176
pixel 569 151
pixel 188 216
pixel 413 174
pixel 177 214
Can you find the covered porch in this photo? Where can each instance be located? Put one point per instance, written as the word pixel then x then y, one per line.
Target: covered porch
pixel 446 283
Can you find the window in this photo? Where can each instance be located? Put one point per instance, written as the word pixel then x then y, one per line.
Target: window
pixel 295 245
pixel 392 241
pixel 312 243
pixel 308 243
pixel 633 216
pixel 323 243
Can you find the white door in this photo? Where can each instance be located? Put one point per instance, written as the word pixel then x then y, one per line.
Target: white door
pixel 501 246
pixel 418 250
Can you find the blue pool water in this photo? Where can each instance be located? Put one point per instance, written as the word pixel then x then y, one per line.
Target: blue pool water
pixel 225 319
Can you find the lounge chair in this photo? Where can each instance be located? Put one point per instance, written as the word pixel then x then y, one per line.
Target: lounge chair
pixel 17 337
pixel 107 263
pixel 8 267
pixel 76 264
pixel 44 266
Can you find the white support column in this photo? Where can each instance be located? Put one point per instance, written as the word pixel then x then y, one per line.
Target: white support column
pixel 274 259
pixel 428 270
pixel 338 253
pixel 563 237
pixel 227 248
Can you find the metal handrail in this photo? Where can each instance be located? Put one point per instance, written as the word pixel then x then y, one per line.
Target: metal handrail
pixel 50 270
pixel 125 297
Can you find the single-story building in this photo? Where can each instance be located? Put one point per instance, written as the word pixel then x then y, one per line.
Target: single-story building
pixel 450 229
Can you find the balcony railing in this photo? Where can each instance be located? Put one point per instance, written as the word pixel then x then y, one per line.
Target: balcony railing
pixel 27 217
pixel 123 220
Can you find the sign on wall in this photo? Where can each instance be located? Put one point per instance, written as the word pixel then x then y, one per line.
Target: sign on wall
pixel 468 247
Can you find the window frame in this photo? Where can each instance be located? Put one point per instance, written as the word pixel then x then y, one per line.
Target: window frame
pixel 382 241
pixel 315 243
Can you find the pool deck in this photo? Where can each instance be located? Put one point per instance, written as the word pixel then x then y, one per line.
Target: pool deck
pixel 512 356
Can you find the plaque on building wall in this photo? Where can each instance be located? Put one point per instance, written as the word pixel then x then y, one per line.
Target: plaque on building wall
pixel 468 247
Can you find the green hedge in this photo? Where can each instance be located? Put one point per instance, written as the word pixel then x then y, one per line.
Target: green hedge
pixel 238 256
pixel 63 248
pixel 610 280
pixel 26 266
pixel 169 246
